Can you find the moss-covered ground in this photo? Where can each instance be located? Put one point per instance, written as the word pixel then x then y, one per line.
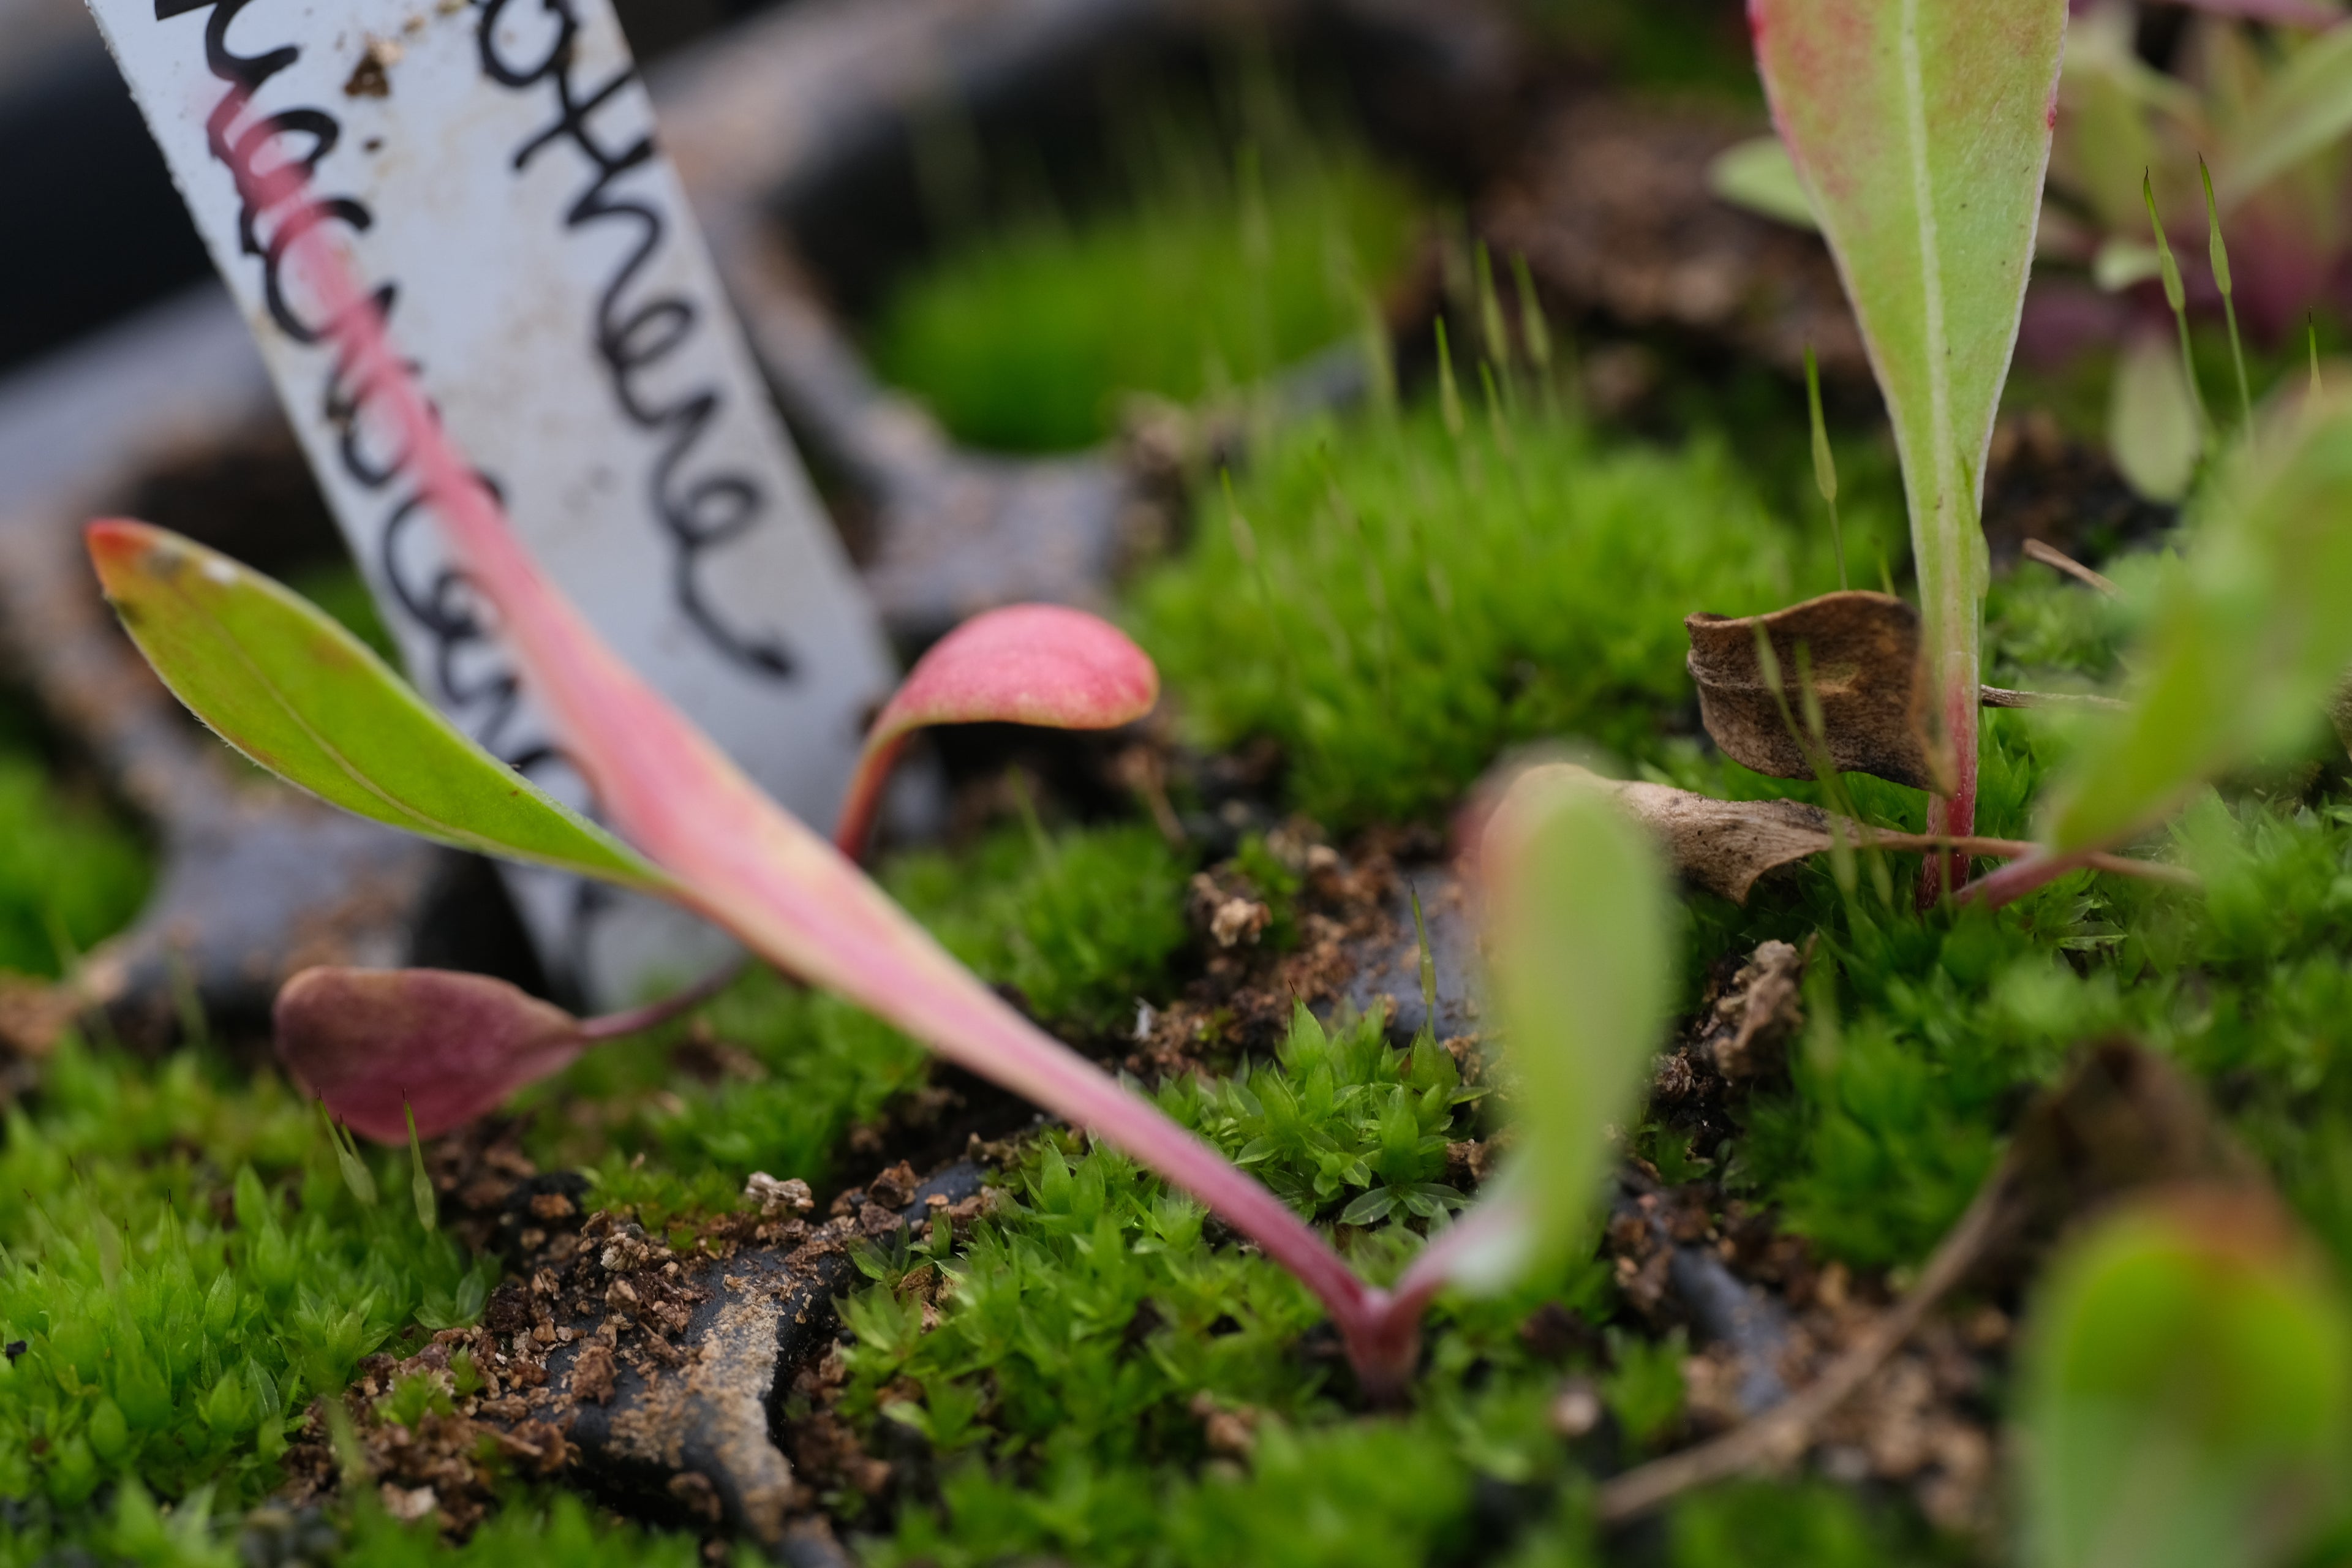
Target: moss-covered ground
pixel 1100 1374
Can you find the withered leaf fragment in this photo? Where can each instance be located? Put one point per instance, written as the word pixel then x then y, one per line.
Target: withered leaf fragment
pixel 1861 657
pixel 1724 846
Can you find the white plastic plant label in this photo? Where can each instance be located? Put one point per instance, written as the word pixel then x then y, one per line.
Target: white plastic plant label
pixel 489 167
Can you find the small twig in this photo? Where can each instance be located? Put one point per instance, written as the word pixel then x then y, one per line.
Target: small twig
pixel 1783 1432
pixel 2001 697
pixel 2049 555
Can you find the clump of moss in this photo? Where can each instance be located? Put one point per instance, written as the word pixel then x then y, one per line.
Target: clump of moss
pixel 1081 923
pixel 1098 1355
pixel 70 873
pixel 1216 271
pixel 183 1270
pixel 550 1528
pixel 1339 1120
pixel 1397 601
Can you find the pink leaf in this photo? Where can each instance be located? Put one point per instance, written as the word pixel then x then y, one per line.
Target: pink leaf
pixel 1044 665
pixel 450 1047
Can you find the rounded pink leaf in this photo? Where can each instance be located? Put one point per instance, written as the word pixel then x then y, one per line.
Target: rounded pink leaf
pixel 1026 664
pixel 1045 665
pixel 448 1046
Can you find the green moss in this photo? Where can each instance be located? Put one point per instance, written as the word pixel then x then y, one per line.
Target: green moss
pixel 1756 1526
pixel 801 1069
pixel 1340 1121
pixel 183 1270
pixel 1089 1321
pixel 1215 273
pixel 533 1528
pixel 1081 923
pixel 70 875
pixel 1397 603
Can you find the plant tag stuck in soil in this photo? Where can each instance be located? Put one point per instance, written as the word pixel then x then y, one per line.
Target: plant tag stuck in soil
pixel 489 169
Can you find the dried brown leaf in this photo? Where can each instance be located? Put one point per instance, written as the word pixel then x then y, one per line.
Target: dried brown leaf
pixel 1724 846
pixel 1861 654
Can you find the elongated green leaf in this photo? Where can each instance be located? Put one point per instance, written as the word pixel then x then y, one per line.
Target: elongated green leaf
pixel 2302 110
pixel 1921 132
pixel 2248 640
pixel 280 681
pixel 2186 1382
pixel 1582 941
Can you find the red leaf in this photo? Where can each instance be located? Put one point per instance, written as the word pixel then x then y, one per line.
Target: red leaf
pixel 450 1047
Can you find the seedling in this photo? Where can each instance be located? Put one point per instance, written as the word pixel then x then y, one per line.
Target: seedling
pixel 440 1048
pixel 2272 116
pixel 1921 134
pixel 295 692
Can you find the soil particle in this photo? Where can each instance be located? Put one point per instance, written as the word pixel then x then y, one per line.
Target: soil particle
pixel 1228 1431
pixel 1744 1027
pixel 1344 917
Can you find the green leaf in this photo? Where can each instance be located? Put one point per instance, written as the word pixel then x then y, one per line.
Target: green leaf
pixel 1581 940
pixel 1921 132
pixel 2248 638
pixel 285 684
pixel 2300 111
pixel 2186 1379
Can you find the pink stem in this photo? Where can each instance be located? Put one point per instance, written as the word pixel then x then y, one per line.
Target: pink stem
pixel 2018 877
pixel 653 1015
pixel 1953 817
pixel 750 867
pixel 855 827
